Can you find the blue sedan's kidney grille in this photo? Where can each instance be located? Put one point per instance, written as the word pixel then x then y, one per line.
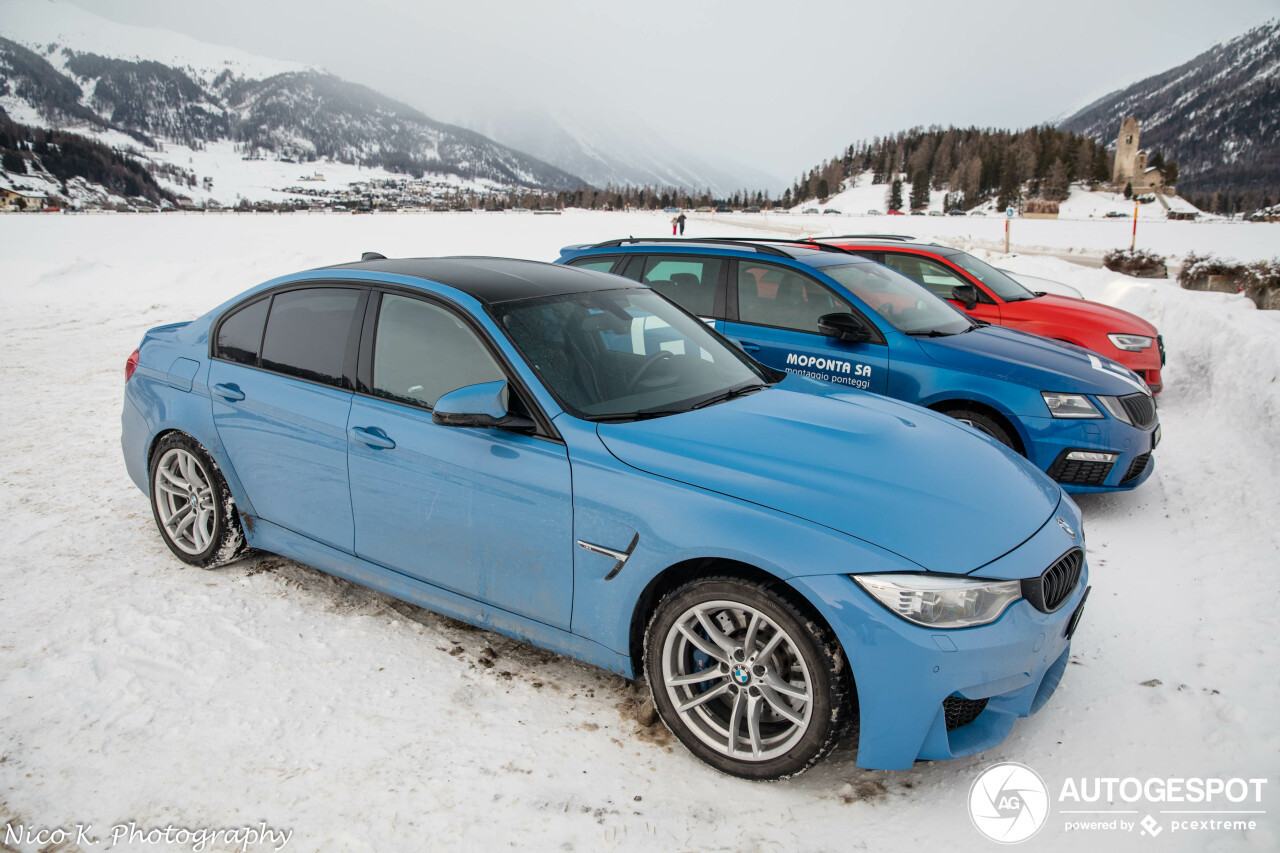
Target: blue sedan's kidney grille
pixel 1141 409
pixel 1047 592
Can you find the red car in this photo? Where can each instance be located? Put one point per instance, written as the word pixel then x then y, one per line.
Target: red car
pixel 998 298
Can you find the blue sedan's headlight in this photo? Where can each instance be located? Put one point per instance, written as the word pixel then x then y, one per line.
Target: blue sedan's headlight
pixel 942 602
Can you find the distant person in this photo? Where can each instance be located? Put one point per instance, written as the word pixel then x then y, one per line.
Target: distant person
pixel 675 223
pixel 680 219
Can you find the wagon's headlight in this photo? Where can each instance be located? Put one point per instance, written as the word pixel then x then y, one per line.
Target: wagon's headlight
pixel 1131 343
pixel 937 601
pixel 1069 405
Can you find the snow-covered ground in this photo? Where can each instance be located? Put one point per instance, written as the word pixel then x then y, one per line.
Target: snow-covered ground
pixel 134 689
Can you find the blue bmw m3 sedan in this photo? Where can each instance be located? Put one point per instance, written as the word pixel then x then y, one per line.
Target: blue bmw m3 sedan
pixel 568 458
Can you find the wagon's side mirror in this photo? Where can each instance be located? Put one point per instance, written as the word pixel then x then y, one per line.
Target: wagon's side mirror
pixel 483 406
pixel 846 327
pixel 967 294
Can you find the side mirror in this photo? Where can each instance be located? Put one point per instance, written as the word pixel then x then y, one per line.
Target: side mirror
pixel 846 327
pixel 966 293
pixel 483 406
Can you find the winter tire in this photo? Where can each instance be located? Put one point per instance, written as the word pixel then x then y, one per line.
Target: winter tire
pixel 747 681
pixel 192 505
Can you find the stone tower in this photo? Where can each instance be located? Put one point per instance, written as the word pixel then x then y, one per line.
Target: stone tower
pixel 1126 152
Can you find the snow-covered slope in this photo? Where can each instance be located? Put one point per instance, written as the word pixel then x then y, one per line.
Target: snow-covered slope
pixel 1218 115
pixel 64 66
pixel 611 153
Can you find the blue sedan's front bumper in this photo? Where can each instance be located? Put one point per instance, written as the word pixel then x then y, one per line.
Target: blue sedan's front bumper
pixel 904 672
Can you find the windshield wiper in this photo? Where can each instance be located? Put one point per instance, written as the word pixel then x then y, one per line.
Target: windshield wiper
pixel 731 394
pixel 931 333
pixel 625 417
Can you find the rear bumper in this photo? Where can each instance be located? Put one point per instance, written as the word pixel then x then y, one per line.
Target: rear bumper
pixel 904 672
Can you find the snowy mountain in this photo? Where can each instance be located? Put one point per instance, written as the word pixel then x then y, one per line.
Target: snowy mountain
pixel 63 66
pixel 1218 115
pixel 610 153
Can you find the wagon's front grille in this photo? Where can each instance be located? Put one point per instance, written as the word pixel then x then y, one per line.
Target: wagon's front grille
pixel 961 711
pixel 1136 467
pixel 1048 592
pixel 1141 409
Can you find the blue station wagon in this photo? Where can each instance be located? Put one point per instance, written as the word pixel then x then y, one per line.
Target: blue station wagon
pixel 567 458
pixel 820 311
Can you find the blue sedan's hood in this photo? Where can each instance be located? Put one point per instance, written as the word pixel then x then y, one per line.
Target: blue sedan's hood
pixel 1032 360
pixel 892 474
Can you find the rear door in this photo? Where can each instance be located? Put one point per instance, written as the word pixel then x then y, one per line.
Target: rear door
pixel 694 282
pixel 281 380
pixel 773 312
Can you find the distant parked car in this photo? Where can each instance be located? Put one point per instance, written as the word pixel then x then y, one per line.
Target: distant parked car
pixel 917 213
pixel 955 211
pixel 896 213
pixel 936 213
pixel 723 208
pixel 810 210
pixel 703 210
pixel 832 210
pixel 873 212
pixel 976 213
pixel 1117 214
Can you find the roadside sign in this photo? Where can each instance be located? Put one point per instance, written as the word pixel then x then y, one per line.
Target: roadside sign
pixel 1009 213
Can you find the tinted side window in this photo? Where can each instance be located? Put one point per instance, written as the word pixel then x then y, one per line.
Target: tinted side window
pixel 423 351
pixel 307 333
pixel 770 295
pixel 240 335
pixel 595 262
pixel 931 274
pixel 690 282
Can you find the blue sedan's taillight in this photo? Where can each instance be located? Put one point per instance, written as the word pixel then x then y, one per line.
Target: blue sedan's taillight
pixel 130 366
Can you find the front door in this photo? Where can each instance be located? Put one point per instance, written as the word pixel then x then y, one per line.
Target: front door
pixel 481 512
pixel 777 324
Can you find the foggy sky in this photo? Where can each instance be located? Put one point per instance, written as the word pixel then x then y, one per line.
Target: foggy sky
pixel 775 84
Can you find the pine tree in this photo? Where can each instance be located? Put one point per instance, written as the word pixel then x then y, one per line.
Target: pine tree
pixel 920 189
pixel 1010 189
pixel 1128 190
pixel 895 195
pixel 1055 185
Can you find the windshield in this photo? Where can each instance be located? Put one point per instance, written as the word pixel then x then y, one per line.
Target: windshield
pixel 908 306
pixel 624 354
pixel 1004 286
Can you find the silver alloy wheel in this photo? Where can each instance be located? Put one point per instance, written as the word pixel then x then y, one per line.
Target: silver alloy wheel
pixel 737 680
pixel 184 498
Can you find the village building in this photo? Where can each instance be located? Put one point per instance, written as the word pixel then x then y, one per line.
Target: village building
pixel 12 199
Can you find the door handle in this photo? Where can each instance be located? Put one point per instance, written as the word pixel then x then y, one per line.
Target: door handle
pixel 228 392
pixel 373 439
pixel 750 347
